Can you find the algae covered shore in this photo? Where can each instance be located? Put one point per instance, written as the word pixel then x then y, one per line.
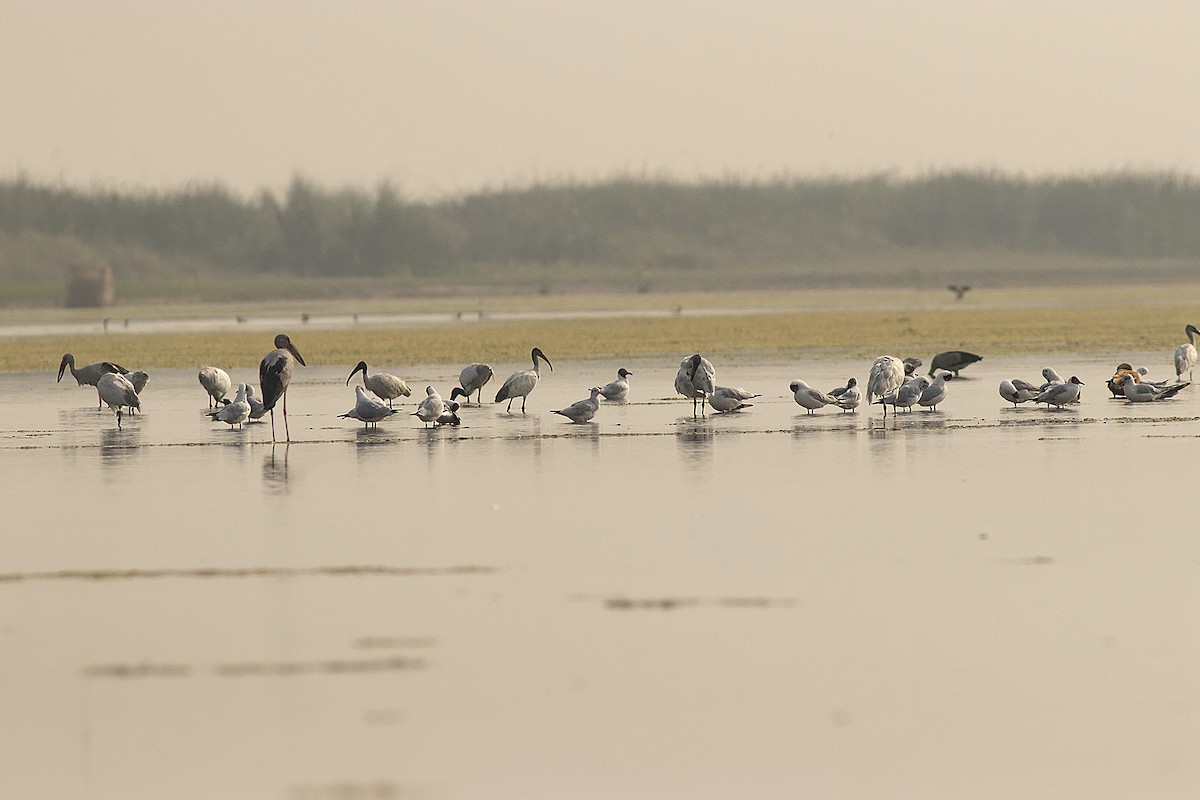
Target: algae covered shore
pixel 807 325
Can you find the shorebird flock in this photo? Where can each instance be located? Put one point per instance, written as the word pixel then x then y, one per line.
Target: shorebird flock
pixel 891 381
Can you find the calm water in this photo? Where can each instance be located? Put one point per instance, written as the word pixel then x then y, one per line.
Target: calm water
pixel 982 602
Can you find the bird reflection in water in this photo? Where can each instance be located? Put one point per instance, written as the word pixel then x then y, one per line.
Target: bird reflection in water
pixel 695 442
pixel 119 446
pixel 275 470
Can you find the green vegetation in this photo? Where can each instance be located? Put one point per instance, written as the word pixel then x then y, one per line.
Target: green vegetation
pixel 207 243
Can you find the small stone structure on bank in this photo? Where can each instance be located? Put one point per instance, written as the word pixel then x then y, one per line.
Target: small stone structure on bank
pixel 90 285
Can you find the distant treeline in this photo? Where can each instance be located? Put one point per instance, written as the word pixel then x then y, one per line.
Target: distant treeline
pixel 625 224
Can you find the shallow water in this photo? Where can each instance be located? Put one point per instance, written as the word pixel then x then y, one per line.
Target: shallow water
pixel 977 602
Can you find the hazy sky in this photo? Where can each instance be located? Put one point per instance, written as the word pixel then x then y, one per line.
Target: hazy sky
pixel 441 96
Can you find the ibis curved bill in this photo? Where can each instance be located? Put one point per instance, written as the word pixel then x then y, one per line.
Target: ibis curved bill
pixel 381 384
pixel 522 382
pixel 472 379
pixel 88 374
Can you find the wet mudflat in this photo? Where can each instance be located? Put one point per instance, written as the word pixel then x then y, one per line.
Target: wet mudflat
pixel 976 602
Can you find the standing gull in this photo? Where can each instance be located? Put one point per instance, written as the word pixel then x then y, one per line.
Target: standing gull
pixel 234 413
pixel 582 410
pixel 695 379
pixel 811 399
pixel 381 384
pixel 431 408
pixel 847 397
pixel 905 396
pixel 618 390
pixel 367 410
pixel 522 382
pixel 274 375
pixel 935 392
pixel 1060 394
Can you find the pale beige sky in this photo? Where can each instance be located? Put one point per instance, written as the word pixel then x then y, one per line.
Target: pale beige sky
pixel 441 96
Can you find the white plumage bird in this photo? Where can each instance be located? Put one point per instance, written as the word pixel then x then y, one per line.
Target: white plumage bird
pixel 256 407
pixel 522 382
pixel 431 408
pixel 472 379
pixel 1061 394
pixel 116 390
pixel 1148 392
pixel 216 383
pixel 367 410
pixel 885 377
pixel 1018 391
pixel 381 384
pixel 728 398
pixel 811 399
pixel 1185 354
pixel 234 413
pixel 582 410
pixel 906 396
pixel 695 379
pixel 935 392
pixel 847 397
pixel 617 390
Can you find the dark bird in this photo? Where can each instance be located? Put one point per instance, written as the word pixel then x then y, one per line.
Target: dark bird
pixel 953 361
pixel 274 375
pixel 959 291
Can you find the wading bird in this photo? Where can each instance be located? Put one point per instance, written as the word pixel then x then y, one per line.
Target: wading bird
pixel 234 413
pixel 1185 354
pixel 139 379
pixel 695 379
pixel 256 406
pixel 618 390
pixel 953 361
pixel 472 379
pixel 522 382
pixel 215 382
pixel 582 410
pixel 885 377
pixel 274 375
pixel 935 392
pixel 450 415
pixel 1148 392
pixel 905 396
pixel 367 410
pixel 381 384
pixel 847 397
pixel 89 374
pixel 116 390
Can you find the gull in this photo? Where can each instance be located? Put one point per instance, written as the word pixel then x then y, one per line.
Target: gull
pixel 256 407
pixel 1148 392
pixel 847 397
pixel 367 410
pixel 886 376
pixel 1185 354
pixel 216 383
pixel 618 389
pixel 89 374
pixel 811 399
pixel 450 415
pixel 234 413
pixel 1061 394
pixel 472 379
pixel 432 407
pixel 953 361
pixel 728 398
pixel 116 390
pixel 274 375
pixel 1051 377
pixel 1018 391
pixel 382 385
pixel 905 396
pixel 695 379
pixel 582 410
pixel 935 392
pixel 522 382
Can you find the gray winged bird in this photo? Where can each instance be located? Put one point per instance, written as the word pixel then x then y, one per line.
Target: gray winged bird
pixel 274 375
pixel 522 382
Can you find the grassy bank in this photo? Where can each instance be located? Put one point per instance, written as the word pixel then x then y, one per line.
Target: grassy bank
pixel 811 325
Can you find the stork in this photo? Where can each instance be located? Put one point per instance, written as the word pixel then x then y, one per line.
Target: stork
pixel 274 375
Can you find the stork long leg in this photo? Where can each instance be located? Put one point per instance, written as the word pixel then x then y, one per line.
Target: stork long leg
pixel 287 433
pixel 272 425
pixel 523 399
